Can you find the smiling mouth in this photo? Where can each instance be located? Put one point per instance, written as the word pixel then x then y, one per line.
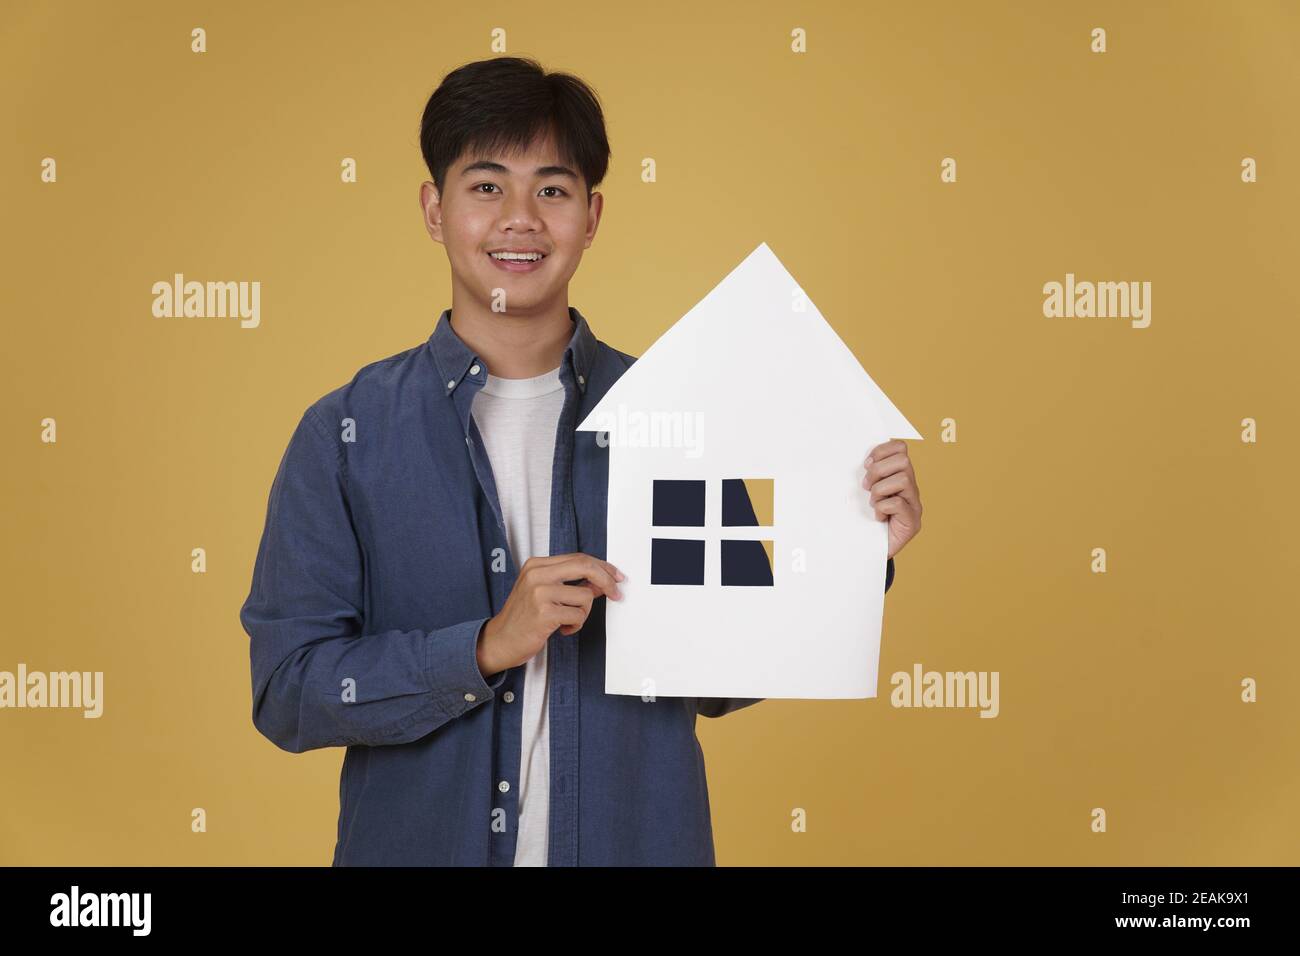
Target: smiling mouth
pixel 518 262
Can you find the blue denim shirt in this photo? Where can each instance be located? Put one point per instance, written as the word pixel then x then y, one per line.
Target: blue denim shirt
pixel 374 574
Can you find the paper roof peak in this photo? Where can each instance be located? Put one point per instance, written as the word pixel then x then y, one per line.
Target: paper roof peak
pixel 754 344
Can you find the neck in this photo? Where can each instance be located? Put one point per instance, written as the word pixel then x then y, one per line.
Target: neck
pixel 514 346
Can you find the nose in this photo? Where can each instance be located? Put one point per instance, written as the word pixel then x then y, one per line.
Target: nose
pixel 519 214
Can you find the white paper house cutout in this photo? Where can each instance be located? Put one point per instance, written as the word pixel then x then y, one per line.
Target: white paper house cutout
pixel 750 383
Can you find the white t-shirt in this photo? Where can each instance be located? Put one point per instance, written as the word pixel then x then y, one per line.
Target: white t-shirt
pixel 517 419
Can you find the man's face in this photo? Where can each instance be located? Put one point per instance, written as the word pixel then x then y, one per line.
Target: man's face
pixel 523 203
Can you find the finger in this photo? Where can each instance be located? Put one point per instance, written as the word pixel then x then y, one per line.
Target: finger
pixel 567 619
pixel 884 467
pixel 577 560
pixel 885 487
pixel 542 560
pixel 613 572
pixel 583 566
pixel 892 505
pixel 551 561
pixel 894 465
pixel 609 569
pixel 887 448
pixel 909 519
pixel 572 595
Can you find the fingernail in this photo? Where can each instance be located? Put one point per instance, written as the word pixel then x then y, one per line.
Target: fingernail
pixel 619 575
pixel 867 463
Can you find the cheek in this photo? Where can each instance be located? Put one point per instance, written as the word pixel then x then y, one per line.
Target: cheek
pixel 468 232
pixel 570 230
pixel 567 264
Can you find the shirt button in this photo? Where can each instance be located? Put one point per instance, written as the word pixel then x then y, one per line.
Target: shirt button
pixel 508 696
pixel 473 370
pixel 581 380
pixel 452 383
pixel 470 697
pixel 503 786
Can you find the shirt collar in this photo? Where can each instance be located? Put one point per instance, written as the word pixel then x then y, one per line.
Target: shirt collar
pixel 456 361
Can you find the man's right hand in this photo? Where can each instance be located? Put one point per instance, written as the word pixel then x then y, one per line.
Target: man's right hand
pixel 550 592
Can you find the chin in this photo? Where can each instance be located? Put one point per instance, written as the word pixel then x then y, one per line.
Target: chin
pixel 517 302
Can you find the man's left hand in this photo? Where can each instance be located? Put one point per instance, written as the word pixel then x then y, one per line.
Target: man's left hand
pixel 891 484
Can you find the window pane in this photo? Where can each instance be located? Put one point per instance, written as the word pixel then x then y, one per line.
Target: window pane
pixel 747 563
pixel 679 502
pixel 676 561
pixel 748 502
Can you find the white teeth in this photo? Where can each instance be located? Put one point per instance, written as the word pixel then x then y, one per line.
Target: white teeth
pixel 517 256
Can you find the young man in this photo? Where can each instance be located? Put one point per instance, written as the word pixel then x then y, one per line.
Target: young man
pixel 429 588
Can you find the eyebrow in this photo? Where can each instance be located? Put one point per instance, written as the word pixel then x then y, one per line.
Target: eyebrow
pixel 488 165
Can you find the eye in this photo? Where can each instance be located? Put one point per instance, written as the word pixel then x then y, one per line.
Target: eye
pixel 560 190
pixel 493 185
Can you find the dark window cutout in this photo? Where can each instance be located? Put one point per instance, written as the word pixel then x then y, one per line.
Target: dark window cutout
pixel 747 502
pixel 678 502
pixel 746 563
pixel 676 561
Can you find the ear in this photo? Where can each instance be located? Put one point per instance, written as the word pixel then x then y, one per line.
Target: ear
pixel 594 207
pixel 431 210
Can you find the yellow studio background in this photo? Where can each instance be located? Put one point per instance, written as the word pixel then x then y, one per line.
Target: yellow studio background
pixel 1120 690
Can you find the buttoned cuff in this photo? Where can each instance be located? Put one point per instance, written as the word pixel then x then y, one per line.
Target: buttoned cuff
pixel 454 676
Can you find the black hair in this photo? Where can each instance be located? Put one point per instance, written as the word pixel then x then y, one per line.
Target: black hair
pixel 503 104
